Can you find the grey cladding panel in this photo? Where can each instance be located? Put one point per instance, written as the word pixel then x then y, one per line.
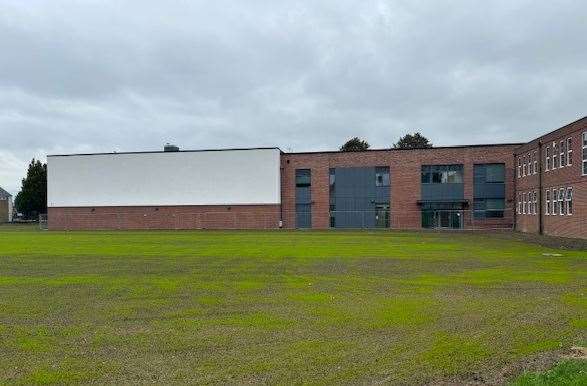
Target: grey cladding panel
pixel 355 195
pixel 303 195
pixel 443 192
pixel 489 190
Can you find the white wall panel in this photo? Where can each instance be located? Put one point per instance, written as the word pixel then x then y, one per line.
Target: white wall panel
pixel 228 177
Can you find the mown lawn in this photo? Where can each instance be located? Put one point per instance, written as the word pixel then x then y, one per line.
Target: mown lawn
pixel 280 307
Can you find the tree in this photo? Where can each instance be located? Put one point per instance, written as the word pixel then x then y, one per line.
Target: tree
pixel 32 198
pixel 355 144
pixel 412 141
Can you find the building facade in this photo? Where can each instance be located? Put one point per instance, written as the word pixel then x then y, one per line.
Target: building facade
pixel 534 187
pixel 551 182
pixel 6 207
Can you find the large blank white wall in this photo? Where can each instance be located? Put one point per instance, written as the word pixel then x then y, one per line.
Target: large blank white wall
pixel 228 177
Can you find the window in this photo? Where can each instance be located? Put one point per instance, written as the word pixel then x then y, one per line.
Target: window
pixel 524 162
pixel 585 153
pixel 554 202
pixel 519 167
pixel 535 203
pixel 563 155
pixel 554 156
pixel 489 173
pixel 535 162
pixel 519 203
pixel 547 205
pixel 530 163
pixel 523 203
pixel 569 151
pixel 569 200
pixel 381 176
pixel 547 158
pixel 442 174
pixel 303 178
pixel 561 201
pixel 530 200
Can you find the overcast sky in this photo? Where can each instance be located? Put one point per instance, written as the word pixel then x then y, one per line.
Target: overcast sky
pixel 95 76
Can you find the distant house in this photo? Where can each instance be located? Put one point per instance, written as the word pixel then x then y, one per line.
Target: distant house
pixel 5 206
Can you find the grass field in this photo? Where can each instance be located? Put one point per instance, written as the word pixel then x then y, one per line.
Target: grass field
pixel 281 307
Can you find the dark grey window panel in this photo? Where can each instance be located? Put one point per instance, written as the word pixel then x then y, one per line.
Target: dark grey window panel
pixel 303 216
pixel 355 194
pixel 303 195
pixel 489 190
pixel 303 177
pixel 382 194
pixel 442 192
pixel 489 173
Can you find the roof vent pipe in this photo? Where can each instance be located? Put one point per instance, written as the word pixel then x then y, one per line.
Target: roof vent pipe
pixel 170 147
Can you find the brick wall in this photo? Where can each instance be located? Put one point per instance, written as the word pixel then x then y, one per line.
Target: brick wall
pixel 405 174
pixel 3 211
pixel 562 177
pixel 166 217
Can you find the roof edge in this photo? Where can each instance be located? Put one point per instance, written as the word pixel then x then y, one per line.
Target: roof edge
pixel 171 152
pixel 422 148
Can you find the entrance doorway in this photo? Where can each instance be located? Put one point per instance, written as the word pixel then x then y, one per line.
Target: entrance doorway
pixel 448 219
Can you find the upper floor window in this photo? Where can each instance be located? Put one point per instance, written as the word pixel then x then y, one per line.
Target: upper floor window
pixel 524 164
pixel 442 174
pixel 519 167
pixel 535 162
pixel 585 153
pixel 382 176
pixel 563 153
pixel 303 178
pixel 547 158
pixel 489 173
pixel 554 155
pixel 569 151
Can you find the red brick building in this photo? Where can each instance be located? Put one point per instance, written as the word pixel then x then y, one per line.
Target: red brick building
pixel 498 186
pixel 551 182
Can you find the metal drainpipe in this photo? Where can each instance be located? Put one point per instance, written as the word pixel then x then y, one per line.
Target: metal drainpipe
pixel 540 190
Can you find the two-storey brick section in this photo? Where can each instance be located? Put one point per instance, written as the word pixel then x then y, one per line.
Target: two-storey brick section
pixel 539 187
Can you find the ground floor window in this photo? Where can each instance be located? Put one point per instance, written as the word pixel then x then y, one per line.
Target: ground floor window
pixel 554 202
pixel 569 201
pixel 488 208
pixel 547 205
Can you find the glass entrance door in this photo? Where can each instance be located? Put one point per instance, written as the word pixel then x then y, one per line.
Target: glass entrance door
pixel 452 219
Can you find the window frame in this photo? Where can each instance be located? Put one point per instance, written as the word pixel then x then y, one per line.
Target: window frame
pixel 561 201
pixel 519 167
pixel 519 203
pixel 563 152
pixel 523 203
pixel 584 155
pixel 524 164
pixel 569 201
pixel 554 202
pixel 547 151
pixel 547 201
pixel 569 151
pixel 554 156
pixel 535 162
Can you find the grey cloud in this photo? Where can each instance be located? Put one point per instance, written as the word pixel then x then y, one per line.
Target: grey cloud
pixel 102 76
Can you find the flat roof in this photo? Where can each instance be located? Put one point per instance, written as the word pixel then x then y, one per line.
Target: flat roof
pixel 162 151
pixel 303 152
pixel 420 148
